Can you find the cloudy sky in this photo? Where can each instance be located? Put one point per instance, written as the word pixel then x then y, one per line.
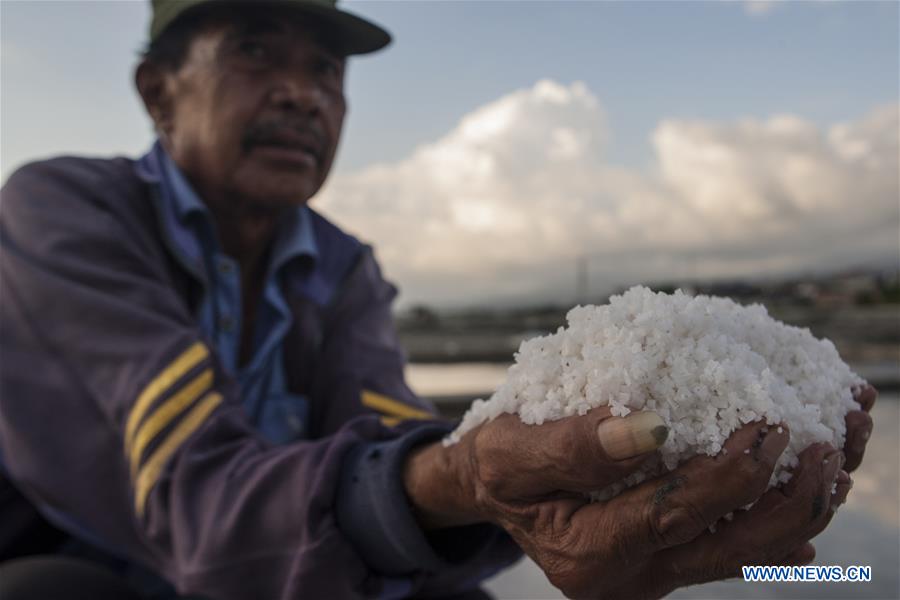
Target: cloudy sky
pixel 495 143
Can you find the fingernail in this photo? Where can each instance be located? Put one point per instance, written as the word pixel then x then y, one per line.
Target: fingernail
pixel 770 441
pixel 843 479
pixel 633 435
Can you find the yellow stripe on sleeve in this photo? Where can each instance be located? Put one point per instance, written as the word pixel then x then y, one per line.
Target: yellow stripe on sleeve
pixel 189 359
pixel 391 407
pixel 152 469
pixel 390 421
pixel 166 412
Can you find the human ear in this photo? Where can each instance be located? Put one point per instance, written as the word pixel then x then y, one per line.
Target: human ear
pixel 151 82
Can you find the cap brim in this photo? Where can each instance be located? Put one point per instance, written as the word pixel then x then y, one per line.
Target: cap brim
pixel 354 34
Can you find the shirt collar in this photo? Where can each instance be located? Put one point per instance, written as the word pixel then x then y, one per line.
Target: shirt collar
pixel 296 237
pixel 181 194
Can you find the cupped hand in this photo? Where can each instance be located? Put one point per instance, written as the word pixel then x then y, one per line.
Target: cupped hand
pixel 656 537
pixel 653 537
pixel 775 531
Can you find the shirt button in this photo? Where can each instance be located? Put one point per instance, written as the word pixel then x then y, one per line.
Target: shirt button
pixel 226 322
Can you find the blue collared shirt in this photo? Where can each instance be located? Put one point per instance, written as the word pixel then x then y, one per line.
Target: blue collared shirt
pixel 280 415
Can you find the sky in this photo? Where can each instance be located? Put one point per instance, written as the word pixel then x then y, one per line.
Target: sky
pixel 495 143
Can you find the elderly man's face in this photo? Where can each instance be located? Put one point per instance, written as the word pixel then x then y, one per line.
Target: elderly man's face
pixel 254 114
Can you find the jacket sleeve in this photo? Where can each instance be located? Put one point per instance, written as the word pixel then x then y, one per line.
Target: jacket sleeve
pixel 115 413
pixel 361 355
pixel 363 374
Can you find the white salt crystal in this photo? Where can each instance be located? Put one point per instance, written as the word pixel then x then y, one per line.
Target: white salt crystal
pixel 706 365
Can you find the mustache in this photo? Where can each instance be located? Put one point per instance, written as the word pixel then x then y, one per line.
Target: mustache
pixel 286 132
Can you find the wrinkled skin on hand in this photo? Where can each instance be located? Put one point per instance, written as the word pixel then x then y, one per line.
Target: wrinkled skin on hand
pixel 654 537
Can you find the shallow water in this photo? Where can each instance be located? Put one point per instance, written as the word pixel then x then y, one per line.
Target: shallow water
pixel 866 531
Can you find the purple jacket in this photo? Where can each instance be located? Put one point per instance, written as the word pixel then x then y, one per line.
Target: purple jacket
pixel 119 424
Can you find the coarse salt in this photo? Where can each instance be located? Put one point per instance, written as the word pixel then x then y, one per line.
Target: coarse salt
pixel 705 364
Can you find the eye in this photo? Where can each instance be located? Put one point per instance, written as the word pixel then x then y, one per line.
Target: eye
pixel 329 67
pixel 253 50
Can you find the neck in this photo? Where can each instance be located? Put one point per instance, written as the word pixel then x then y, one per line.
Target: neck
pixel 245 228
pixel 247 238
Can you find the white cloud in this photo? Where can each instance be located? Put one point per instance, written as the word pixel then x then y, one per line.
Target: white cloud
pixel 503 204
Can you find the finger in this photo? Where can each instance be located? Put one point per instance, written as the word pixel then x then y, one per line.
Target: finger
pixel 602 449
pixel 575 454
pixel 842 486
pixel 803 555
pixel 866 396
pixel 679 506
pixel 804 506
pixel 859 430
pixel 785 517
pixel 797 511
pixel 800 505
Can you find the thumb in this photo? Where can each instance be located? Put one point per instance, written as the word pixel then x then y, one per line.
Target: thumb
pixel 576 454
pixel 606 449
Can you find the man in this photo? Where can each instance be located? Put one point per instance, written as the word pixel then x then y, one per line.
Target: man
pixel 201 378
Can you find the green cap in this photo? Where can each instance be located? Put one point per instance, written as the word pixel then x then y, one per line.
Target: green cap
pixel 357 35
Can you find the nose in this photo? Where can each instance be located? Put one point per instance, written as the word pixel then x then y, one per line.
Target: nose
pixel 295 93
